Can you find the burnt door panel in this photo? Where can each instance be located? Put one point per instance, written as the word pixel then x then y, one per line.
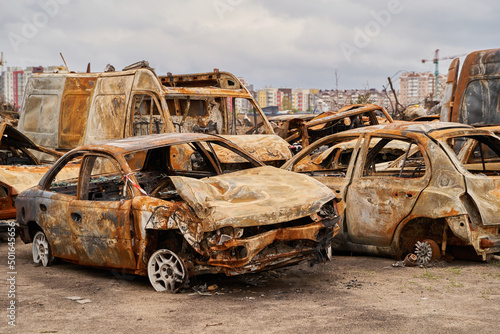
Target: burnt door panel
pixel 101 231
pixel 385 187
pixel 53 219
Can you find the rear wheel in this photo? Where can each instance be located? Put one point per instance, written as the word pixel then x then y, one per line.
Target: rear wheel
pixel 427 251
pixel 41 250
pixel 167 271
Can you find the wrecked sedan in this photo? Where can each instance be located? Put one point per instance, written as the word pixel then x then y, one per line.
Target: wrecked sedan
pixel 427 188
pixel 138 207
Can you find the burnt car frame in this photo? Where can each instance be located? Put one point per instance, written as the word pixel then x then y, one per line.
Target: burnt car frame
pixel 442 190
pixel 22 165
pixel 305 129
pixel 135 208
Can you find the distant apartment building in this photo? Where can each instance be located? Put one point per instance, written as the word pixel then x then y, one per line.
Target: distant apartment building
pixel 328 100
pixel 14 80
pixel 415 87
pixel 243 106
pixel 301 100
pixel 262 98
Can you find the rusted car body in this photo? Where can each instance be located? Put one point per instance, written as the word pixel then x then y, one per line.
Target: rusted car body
pixel 303 130
pixel 473 97
pixel 134 207
pixel 65 110
pixel 19 169
pixel 441 186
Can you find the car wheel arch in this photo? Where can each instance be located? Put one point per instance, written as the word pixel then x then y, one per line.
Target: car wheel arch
pixel 33 227
pixel 416 229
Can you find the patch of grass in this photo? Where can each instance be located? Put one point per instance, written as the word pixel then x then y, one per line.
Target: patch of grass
pixel 456 284
pixel 494 264
pixel 369 272
pixel 428 275
pixel 489 275
pixel 455 270
pixel 486 294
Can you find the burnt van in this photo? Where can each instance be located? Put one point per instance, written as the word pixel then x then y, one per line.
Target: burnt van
pixel 62 111
pixel 473 96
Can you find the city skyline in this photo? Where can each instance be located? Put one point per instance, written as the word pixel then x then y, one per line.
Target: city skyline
pixel 280 43
pixel 14 79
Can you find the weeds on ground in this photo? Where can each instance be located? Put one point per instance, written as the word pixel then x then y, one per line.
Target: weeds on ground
pixel 428 275
pixel 455 270
pixel 486 294
pixel 456 284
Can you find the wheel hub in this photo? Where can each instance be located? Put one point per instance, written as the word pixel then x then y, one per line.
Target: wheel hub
pixel 167 270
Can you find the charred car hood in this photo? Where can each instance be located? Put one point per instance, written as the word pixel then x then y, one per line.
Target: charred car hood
pixel 257 196
pixel 263 147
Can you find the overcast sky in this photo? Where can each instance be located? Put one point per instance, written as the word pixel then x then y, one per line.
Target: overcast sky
pixel 282 43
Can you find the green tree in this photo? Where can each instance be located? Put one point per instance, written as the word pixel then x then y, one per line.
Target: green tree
pixel 286 104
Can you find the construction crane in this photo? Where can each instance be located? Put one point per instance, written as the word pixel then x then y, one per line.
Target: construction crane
pixel 436 60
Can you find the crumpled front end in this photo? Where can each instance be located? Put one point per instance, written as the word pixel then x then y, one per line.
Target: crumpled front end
pixel 247 223
pixel 274 246
pixel 237 250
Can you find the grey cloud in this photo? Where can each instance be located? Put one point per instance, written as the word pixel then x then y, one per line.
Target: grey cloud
pixel 281 43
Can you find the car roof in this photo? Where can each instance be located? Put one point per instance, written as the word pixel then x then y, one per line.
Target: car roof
pixel 140 143
pixel 404 127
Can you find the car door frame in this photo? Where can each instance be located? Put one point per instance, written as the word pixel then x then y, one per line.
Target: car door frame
pixel 373 207
pixel 102 230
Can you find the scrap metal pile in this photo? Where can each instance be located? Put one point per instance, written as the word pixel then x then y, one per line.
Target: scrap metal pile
pixel 162 178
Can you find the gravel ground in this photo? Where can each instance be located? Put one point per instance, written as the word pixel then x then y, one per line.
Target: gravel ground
pixel 351 294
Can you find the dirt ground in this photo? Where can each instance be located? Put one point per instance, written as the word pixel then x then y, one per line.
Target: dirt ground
pixel 351 294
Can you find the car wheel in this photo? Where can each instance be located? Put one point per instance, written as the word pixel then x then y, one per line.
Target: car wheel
pixel 167 271
pixel 41 250
pixel 427 251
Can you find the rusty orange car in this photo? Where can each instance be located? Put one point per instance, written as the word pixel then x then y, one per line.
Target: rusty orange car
pixel 427 188
pixel 137 206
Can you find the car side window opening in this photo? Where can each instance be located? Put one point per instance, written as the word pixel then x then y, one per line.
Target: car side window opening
pixel 201 115
pixel 102 180
pixel 152 167
pixel 480 102
pixel 65 179
pixel 479 154
pixel 394 158
pixel 331 159
pixel 196 160
pixel 146 117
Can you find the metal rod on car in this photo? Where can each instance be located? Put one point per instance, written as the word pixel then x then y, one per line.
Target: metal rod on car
pixel 67 68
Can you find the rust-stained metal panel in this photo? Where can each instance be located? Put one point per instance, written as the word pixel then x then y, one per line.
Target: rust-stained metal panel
pixel 252 197
pixel 264 147
pixel 476 96
pixel 449 91
pixel 75 106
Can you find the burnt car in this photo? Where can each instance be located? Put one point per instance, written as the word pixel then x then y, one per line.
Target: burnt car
pixel 22 165
pixel 138 207
pixel 411 187
pixel 302 130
